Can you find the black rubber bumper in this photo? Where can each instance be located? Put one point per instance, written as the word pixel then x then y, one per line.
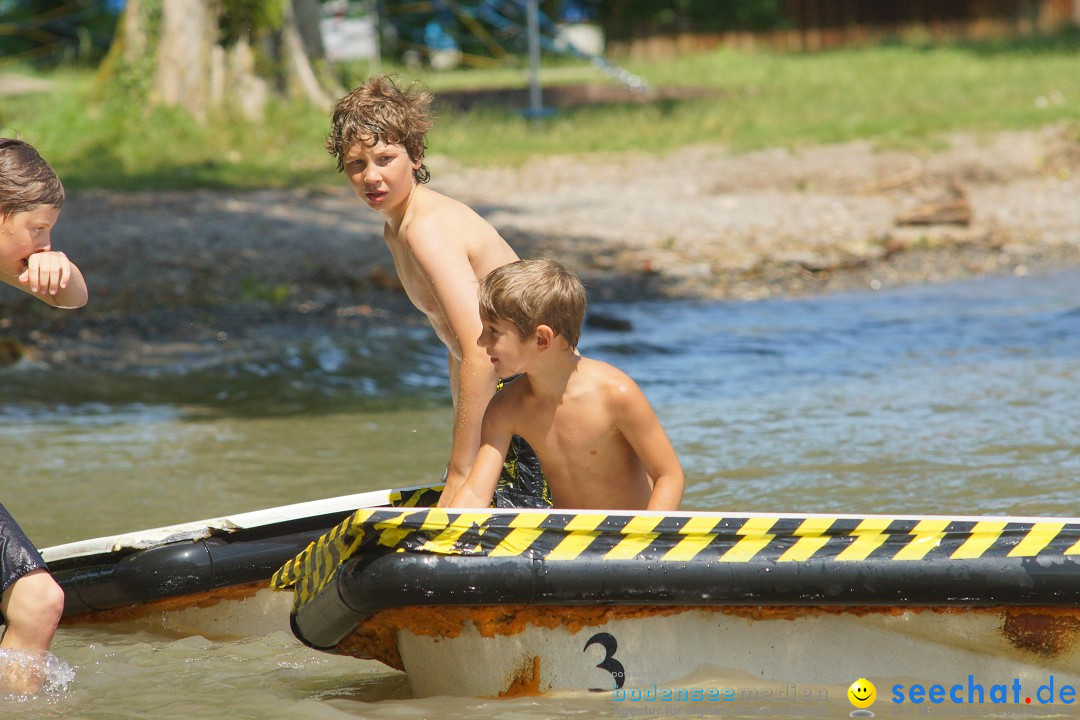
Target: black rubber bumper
pixel 117 580
pixel 365 585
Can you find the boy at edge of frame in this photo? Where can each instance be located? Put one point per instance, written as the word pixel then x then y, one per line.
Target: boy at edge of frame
pixel 31 196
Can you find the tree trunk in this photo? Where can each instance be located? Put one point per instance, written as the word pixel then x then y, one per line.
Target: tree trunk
pixel 183 68
pixel 177 53
pixel 302 42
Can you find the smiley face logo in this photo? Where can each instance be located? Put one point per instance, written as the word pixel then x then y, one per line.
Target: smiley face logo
pixel 862 693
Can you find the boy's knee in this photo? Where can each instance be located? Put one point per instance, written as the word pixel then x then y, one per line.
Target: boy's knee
pixel 36 600
pixel 52 601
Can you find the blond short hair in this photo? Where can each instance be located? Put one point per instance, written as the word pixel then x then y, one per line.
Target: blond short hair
pixel 26 180
pixel 530 293
pixel 379 111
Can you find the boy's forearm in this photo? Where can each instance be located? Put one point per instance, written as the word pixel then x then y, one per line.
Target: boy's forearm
pixel 475 492
pixel 479 487
pixel 74 295
pixel 462 454
pixel 454 481
pixel 467 497
pixel 476 386
pixel 667 493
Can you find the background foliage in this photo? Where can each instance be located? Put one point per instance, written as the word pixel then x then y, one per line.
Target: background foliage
pixel 54 31
pixel 904 94
pixel 622 19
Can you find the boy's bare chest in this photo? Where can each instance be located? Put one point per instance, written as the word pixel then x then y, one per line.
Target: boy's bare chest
pixel 413 279
pixel 582 428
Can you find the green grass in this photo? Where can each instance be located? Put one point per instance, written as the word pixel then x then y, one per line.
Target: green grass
pixel 907 96
pixel 888 95
pixel 112 144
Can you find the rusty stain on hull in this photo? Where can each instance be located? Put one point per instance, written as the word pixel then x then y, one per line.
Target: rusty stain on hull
pixel 1046 631
pixel 171 604
pixel 526 680
pixel 376 637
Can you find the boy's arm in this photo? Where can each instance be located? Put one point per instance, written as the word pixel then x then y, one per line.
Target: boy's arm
pixel 52 278
pixel 474 381
pixel 638 423
pixel 452 280
pixel 479 487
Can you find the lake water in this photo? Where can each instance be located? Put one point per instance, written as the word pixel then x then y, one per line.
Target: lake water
pixel 948 399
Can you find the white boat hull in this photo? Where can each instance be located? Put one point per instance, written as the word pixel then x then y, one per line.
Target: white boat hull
pixel 245 611
pixel 807 646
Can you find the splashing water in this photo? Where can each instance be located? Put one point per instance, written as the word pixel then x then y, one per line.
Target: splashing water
pixel 27 675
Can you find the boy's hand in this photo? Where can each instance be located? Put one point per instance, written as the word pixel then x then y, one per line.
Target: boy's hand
pixel 47 271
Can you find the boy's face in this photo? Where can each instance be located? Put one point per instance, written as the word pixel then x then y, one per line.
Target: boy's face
pixel 381 174
pixel 23 234
pixel 504 345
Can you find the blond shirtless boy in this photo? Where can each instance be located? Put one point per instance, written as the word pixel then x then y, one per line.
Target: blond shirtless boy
pixel 598 439
pixel 441 247
pixel 30 200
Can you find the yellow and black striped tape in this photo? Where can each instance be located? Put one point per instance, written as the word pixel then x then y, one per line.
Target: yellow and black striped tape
pixel 709 538
pixel 312 569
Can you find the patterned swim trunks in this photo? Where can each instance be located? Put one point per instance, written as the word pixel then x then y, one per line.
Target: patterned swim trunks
pixel 522 483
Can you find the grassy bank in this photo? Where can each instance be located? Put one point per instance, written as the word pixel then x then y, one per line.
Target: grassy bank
pixel 894 96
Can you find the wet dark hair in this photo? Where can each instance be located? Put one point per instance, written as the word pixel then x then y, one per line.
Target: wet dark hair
pixel 26 180
pixel 379 111
pixel 529 293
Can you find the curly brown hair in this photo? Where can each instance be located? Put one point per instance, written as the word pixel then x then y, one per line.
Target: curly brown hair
pixel 26 180
pixel 379 111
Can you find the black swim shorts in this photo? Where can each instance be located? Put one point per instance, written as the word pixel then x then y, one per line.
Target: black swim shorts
pixel 18 555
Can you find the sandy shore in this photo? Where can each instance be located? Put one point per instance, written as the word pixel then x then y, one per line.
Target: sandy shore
pixel 169 271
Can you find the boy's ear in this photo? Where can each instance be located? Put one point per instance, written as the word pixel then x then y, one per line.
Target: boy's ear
pixel 545 336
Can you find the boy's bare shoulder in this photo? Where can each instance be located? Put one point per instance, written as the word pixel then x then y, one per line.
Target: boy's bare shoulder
pixel 600 371
pixel 433 206
pixel 508 401
pixel 436 217
pixel 614 385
